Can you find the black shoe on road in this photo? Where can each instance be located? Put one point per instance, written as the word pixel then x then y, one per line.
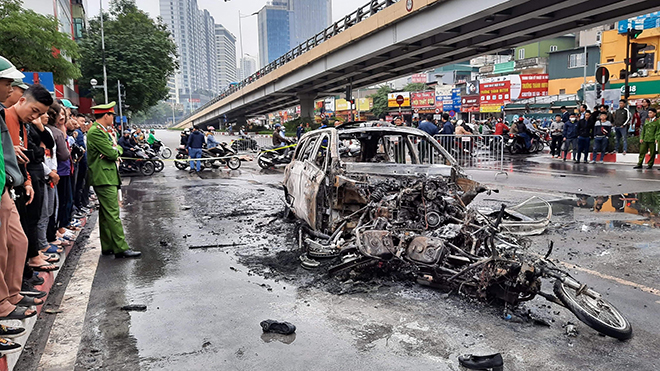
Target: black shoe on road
pixel 128 254
pixel 107 252
pixel 472 362
pixel 637 167
pixel 8 346
pixel 284 328
pixel 649 167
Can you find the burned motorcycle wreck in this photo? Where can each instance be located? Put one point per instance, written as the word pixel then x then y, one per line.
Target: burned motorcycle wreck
pixel 422 226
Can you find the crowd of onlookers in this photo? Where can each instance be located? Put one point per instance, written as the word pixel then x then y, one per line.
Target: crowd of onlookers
pixel 45 195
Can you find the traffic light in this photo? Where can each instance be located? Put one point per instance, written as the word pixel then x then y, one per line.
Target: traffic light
pixel 349 93
pixel 599 91
pixel 633 34
pixel 637 58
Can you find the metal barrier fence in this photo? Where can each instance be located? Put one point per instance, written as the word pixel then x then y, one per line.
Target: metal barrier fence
pixel 475 151
pixel 251 143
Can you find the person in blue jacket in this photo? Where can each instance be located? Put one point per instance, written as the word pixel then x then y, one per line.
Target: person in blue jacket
pixel 570 137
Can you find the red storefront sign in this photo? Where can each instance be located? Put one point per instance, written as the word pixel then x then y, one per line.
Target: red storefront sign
pixel 533 86
pixel 470 103
pixel 419 78
pixel 495 93
pixel 423 100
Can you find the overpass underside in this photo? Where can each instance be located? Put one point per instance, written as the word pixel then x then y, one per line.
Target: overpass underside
pixel 395 43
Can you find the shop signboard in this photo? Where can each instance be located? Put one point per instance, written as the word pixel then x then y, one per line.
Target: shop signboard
pixel 423 100
pixel 392 99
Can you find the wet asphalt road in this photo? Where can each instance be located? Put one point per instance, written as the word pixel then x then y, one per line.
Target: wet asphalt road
pixel 205 304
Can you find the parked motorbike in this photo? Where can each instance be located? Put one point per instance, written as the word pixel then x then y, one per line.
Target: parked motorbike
pixel 244 143
pixel 516 144
pixel 275 156
pixel 228 157
pixel 182 161
pixel 159 165
pixel 143 166
pixel 161 149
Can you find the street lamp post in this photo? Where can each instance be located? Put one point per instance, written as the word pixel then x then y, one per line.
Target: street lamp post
pixel 105 73
pixel 240 36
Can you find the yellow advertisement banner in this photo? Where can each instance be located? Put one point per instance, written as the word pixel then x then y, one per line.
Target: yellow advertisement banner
pixel 392 99
pixel 490 108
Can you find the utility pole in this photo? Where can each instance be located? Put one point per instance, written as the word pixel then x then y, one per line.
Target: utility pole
pixel 585 68
pixel 105 73
pixel 626 93
pixel 121 116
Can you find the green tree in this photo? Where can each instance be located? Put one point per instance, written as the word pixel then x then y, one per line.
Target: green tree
pixel 380 101
pixel 138 51
pixel 418 86
pixel 159 114
pixel 33 42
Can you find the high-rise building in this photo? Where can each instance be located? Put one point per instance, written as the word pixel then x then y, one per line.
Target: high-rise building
pixel 283 24
pixel 225 46
pixel 193 31
pixel 274 21
pixel 247 67
pixel 309 18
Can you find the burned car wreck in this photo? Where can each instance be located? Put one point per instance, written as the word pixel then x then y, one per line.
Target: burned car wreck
pixel 371 197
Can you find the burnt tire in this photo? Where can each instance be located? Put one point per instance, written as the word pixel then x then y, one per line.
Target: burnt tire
pixel 147 169
pixel 616 326
pixel 158 165
pixel 234 163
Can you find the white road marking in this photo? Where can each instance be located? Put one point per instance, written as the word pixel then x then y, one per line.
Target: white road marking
pixel 66 333
pixel 642 288
pixel 644 180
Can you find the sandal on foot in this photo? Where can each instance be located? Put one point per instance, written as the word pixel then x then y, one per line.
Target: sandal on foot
pixel 19 313
pixel 44 267
pixel 29 301
pixel 52 249
pixel 51 258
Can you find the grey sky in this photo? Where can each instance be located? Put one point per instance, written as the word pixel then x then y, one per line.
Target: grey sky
pixel 226 13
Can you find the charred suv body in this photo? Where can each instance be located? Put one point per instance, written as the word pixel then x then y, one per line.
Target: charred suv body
pixel 374 197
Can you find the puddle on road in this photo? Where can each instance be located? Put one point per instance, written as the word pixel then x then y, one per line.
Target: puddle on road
pixel 621 211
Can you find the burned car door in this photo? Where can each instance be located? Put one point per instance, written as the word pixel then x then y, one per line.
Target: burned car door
pixel 293 176
pixel 314 167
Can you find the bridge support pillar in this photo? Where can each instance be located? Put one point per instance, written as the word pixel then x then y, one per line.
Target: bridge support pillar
pixel 241 121
pixel 307 105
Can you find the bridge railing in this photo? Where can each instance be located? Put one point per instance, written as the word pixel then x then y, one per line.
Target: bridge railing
pixel 362 13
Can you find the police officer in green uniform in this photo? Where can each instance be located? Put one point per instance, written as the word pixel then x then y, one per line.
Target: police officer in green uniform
pixel 102 155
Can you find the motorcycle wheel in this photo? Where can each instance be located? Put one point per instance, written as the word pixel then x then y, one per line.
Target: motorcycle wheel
pixel 514 149
pixel 264 164
pixel 208 163
pixel 147 169
pixel 166 152
pixel 234 146
pixel 598 314
pixel 181 165
pixel 234 163
pixel 158 165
